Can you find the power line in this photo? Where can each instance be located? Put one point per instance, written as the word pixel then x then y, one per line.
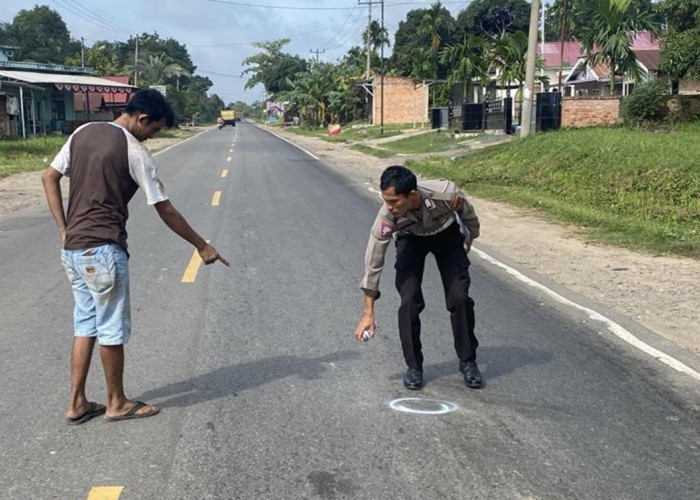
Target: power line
pixel 96 16
pixel 219 74
pixel 72 10
pixel 286 7
pixel 298 35
pixel 344 34
pixel 279 7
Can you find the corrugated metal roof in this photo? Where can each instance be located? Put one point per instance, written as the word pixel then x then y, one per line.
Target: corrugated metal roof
pixel 649 58
pixel 62 79
pixel 552 53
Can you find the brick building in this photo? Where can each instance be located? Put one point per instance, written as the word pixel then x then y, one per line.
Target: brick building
pixel 405 100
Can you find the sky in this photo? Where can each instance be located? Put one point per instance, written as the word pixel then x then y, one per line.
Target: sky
pixel 219 33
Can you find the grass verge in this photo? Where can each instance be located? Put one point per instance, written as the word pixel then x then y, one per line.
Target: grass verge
pixel 29 155
pixel 633 188
pixel 429 142
pixel 18 155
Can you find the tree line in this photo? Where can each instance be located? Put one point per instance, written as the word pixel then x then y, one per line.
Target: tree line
pixel 40 35
pixel 486 38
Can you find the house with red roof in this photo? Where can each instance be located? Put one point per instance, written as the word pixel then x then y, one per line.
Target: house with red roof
pixel 40 98
pixel 559 58
pixel 96 106
pixel 584 79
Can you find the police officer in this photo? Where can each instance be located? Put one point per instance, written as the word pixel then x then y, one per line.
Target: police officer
pixel 431 216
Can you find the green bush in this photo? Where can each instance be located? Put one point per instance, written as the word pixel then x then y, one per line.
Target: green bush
pixel 647 103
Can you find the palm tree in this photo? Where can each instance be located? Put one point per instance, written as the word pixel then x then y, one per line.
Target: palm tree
pixel 509 58
pixel 608 33
pixel 435 21
pixel 467 60
pixel 378 36
pixel 421 65
pixel 155 69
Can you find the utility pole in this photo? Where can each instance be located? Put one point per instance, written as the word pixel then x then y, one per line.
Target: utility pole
pixel 369 39
pixel 381 113
pixel 82 52
pixel 369 50
pixel 562 34
pixel 136 62
pixel 542 9
pixel 530 70
pixel 317 52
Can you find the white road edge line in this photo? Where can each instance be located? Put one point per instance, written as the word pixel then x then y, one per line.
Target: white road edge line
pixel 295 145
pixel 615 328
pixel 612 326
pixel 178 143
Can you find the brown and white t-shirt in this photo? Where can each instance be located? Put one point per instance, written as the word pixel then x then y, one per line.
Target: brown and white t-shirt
pixel 106 165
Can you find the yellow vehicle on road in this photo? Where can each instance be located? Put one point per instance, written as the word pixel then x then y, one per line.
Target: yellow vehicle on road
pixel 228 116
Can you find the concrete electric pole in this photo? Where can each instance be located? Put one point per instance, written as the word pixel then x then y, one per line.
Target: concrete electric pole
pixel 525 128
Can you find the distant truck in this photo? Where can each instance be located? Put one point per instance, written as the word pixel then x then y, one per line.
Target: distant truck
pixel 228 116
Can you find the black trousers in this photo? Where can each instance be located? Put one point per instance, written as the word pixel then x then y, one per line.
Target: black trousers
pixel 453 263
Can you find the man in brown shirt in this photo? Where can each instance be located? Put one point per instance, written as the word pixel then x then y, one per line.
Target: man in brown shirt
pixel 431 216
pixel 107 164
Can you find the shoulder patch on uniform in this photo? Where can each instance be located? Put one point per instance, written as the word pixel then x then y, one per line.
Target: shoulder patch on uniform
pixel 456 202
pixel 386 229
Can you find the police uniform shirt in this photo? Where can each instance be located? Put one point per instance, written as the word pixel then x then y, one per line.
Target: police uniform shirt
pixel 441 202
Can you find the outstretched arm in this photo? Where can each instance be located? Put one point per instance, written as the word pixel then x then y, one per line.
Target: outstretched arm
pixel 177 223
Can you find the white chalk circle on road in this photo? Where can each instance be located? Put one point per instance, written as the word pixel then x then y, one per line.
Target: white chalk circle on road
pixel 420 406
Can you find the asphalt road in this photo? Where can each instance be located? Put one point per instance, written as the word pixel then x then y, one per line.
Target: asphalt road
pixel 264 392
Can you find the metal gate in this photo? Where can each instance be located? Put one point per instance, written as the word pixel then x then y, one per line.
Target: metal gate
pixel 548 111
pixel 488 115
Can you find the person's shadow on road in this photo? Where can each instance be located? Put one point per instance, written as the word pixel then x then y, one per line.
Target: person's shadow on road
pixel 231 380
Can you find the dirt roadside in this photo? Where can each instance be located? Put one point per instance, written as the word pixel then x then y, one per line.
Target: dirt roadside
pixel 658 292
pixel 25 190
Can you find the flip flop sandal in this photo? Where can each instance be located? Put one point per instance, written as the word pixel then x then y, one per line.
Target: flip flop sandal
pixel 91 412
pixel 131 414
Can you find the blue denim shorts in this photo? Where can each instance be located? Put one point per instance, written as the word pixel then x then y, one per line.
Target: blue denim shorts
pixel 100 280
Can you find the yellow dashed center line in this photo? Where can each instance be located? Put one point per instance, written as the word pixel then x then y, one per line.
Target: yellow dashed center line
pixel 228 159
pixel 190 274
pixel 216 198
pixel 105 493
pixel 230 150
pixel 224 173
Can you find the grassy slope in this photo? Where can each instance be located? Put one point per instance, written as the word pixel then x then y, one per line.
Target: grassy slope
pixel 629 187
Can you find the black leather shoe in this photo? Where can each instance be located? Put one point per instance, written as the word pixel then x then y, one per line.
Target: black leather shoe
pixel 472 375
pixel 413 379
